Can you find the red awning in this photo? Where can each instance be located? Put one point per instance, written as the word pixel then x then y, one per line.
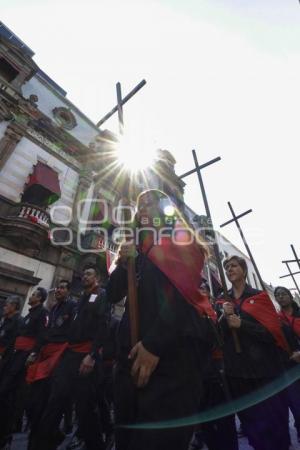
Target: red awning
pixel 43 185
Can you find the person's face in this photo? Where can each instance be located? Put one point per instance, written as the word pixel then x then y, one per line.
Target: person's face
pixel 61 292
pixel 35 298
pixel 9 308
pixel 234 271
pixel 148 211
pixel 203 290
pixel 283 297
pixel 89 279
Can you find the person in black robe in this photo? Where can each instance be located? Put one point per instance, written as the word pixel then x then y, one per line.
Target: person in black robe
pixel 290 318
pixel 259 362
pixel 159 378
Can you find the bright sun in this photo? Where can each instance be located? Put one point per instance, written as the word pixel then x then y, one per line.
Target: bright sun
pixel 134 157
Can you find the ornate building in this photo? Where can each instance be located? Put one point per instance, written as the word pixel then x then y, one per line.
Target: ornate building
pixel 53 159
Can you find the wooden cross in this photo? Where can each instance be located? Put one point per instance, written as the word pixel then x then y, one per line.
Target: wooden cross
pixel 197 170
pixel 131 273
pixel 120 102
pixel 235 219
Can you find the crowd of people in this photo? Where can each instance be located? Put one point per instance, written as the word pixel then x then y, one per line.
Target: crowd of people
pixel 199 361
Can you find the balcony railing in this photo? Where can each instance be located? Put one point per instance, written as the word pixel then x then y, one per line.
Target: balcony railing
pixel 33 213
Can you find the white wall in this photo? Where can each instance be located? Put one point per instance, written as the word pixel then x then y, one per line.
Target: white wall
pixel 40 269
pixel 14 174
pixel 48 100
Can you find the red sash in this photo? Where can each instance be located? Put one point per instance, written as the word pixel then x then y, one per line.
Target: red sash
pixel 217 354
pixel 182 263
pixel 82 347
pixel 291 321
pixel 25 343
pixel 2 349
pixel 47 361
pixel 262 309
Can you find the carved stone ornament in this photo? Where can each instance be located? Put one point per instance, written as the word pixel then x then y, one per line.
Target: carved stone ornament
pixel 5 113
pixel 64 117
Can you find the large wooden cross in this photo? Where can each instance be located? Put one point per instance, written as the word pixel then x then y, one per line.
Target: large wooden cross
pixel 292 274
pixel 216 250
pixel 235 219
pixel 120 102
pixel 131 273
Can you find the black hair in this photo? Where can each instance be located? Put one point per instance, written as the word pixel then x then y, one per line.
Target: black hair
pixel 15 300
pixel 66 282
pixel 286 290
pixel 95 269
pixel 42 293
pixel 204 285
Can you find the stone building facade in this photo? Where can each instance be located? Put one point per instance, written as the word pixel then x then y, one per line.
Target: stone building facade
pixel 53 160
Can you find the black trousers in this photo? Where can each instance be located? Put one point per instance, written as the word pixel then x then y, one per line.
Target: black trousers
pixel 265 423
pixel 173 392
pixel 219 434
pixel 67 382
pixel 12 382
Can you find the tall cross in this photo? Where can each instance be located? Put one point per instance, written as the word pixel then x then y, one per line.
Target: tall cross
pixel 197 170
pixel 291 274
pixel 131 272
pixel 235 219
pixel 120 102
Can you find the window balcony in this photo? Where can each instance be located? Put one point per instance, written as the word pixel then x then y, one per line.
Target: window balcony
pixel 26 225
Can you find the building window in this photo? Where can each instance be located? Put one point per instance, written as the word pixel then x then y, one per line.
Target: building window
pixel 65 118
pixel 42 188
pixel 7 71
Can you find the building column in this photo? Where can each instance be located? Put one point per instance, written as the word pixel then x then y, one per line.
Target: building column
pixel 8 143
pixel 83 187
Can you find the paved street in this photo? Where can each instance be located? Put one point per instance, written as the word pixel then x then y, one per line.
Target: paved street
pixel 20 442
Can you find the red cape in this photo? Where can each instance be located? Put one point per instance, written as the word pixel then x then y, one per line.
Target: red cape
pixel 292 321
pixel 182 264
pixel 260 307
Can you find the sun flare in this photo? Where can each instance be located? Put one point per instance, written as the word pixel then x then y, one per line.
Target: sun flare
pixel 133 156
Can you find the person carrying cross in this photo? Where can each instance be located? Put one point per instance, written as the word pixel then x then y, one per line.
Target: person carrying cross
pixel 260 361
pixel 158 379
